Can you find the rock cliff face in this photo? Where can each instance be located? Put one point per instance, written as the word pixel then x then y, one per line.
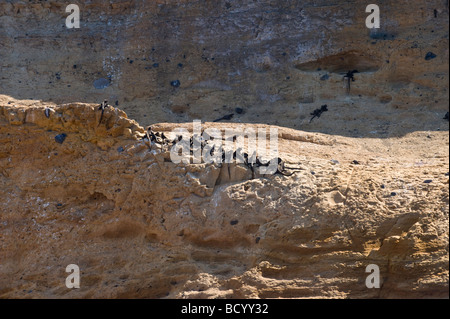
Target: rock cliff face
pixel 140 226
pixel 373 181
pixel 277 60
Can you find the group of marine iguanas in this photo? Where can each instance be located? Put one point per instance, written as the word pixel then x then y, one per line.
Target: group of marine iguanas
pixel 350 77
pixel 251 162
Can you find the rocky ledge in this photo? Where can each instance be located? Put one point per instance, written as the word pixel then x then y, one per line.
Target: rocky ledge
pixel 140 226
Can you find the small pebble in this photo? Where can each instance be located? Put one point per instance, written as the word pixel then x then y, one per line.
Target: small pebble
pixel 382 186
pixel 393 194
pixel 234 222
pixel 120 149
pixel 239 110
pixel 428 181
pixel 355 162
pixel 324 77
pixel 334 161
pixel 257 240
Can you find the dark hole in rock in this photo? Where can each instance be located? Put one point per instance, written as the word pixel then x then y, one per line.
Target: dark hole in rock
pixel 175 83
pixel 60 138
pixel 430 56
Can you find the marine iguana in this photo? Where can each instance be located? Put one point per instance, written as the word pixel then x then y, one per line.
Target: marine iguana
pixel 350 78
pixel 102 107
pixel 318 112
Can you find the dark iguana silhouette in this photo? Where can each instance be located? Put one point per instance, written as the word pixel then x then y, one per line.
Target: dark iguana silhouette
pixel 226 117
pixel 318 112
pixel 102 107
pixel 350 78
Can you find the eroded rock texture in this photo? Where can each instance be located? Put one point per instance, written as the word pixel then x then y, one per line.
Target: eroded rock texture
pixel 78 188
pixel 140 226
